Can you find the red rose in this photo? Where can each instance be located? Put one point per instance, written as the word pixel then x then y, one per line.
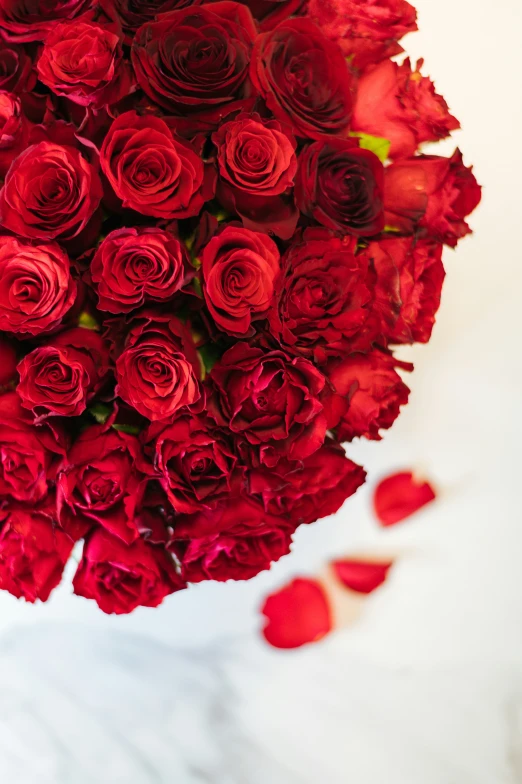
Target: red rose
pixel 194 62
pixel 61 376
pixel 246 542
pixel 399 104
pixel 30 455
pixel 100 482
pixel 14 130
pixel 369 393
pixel 270 13
pixel 8 362
pixel 239 269
pixel 431 195
pixel 158 369
pixel 122 577
pixel 83 61
pixel 271 400
pixel 330 301
pixel 366 30
pixel 23 21
pixel 341 187
pixel 16 69
pixel 134 13
pixel 152 171
pixel 36 288
pixel 257 166
pixel 33 551
pixel 134 266
pixel 50 192
pixel 304 79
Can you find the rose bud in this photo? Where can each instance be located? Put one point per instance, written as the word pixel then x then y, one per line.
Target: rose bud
pixel 304 79
pixel 194 62
pixel 269 13
pixel 61 376
pixel 341 186
pixel 36 288
pixel 239 269
pixel 369 394
pixel 122 577
pixel 132 14
pixel 8 362
pixel 30 454
pixel 366 30
pixel 431 195
pixel 138 265
pixel 399 104
pixel 16 69
pixel 24 22
pixel 152 171
pixel 14 131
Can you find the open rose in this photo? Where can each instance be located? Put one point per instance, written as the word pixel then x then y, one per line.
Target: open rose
pixel 61 376
pixel 239 269
pixel 36 288
pixel 134 13
pixel 14 130
pixel 341 186
pixel 138 265
pixel 23 21
pixel 304 79
pixel 121 577
pixel 152 171
pixel 17 73
pixel 50 192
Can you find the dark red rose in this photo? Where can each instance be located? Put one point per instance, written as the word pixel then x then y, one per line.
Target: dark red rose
pixel 82 60
pixel 330 301
pixel 33 551
pixel 50 192
pixel 368 394
pixel 367 30
pixel 121 577
pixel 431 195
pixel 63 375
pixel 17 73
pixel 152 171
pixel 28 21
pixel 158 369
pixel 239 269
pixel 14 130
pixel 100 482
pixel 399 104
pixel 302 493
pixel 271 400
pixel 134 13
pixel 138 265
pixel 270 13
pixel 304 79
pixel 194 62
pixel 196 463
pixel 8 362
pixel 257 166
pixel 246 542
pixel 341 187
pixel 36 288
pixel 30 455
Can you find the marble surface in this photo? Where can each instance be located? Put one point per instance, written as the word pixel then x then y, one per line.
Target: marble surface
pixel 427 686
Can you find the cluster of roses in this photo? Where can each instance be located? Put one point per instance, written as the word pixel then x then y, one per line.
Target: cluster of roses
pixel 203 265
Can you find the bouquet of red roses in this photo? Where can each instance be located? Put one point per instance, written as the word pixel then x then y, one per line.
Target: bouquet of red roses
pixel 215 223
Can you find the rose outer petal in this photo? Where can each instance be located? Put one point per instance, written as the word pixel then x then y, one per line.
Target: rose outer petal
pixel 296 615
pixel 361 576
pixel 400 495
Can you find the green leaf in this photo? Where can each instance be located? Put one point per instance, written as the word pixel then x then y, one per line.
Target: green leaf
pixel 391 230
pixel 197 287
pixel 87 321
pixel 100 412
pixel 132 430
pixel 380 147
pixel 209 353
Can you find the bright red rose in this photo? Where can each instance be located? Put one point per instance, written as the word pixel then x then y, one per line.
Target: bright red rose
pixel 134 13
pixel 239 269
pixel 341 187
pixel 8 362
pixel 33 551
pixel 122 577
pixel 304 79
pixel 330 301
pixel 297 614
pixel 369 394
pixel 100 482
pixel 83 61
pixel 17 73
pixel 22 21
pixel 271 400
pixel 431 195
pixel 138 265
pixel 50 192
pixel 14 130
pixel 158 369
pixel 61 376
pixel 269 13
pixel 154 172
pixel 36 288
pixel 194 62
pixel 367 30
pixel 30 455
pixel 399 104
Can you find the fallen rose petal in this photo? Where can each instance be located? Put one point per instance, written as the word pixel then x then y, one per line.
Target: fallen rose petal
pixel 399 496
pixel 361 576
pixel 296 615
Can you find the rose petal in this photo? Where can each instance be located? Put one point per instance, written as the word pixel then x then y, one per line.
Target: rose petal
pixel 296 615
pixel 399 496
pixel 361 576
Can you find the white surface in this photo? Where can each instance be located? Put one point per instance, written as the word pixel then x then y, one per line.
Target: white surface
pixel 428 686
